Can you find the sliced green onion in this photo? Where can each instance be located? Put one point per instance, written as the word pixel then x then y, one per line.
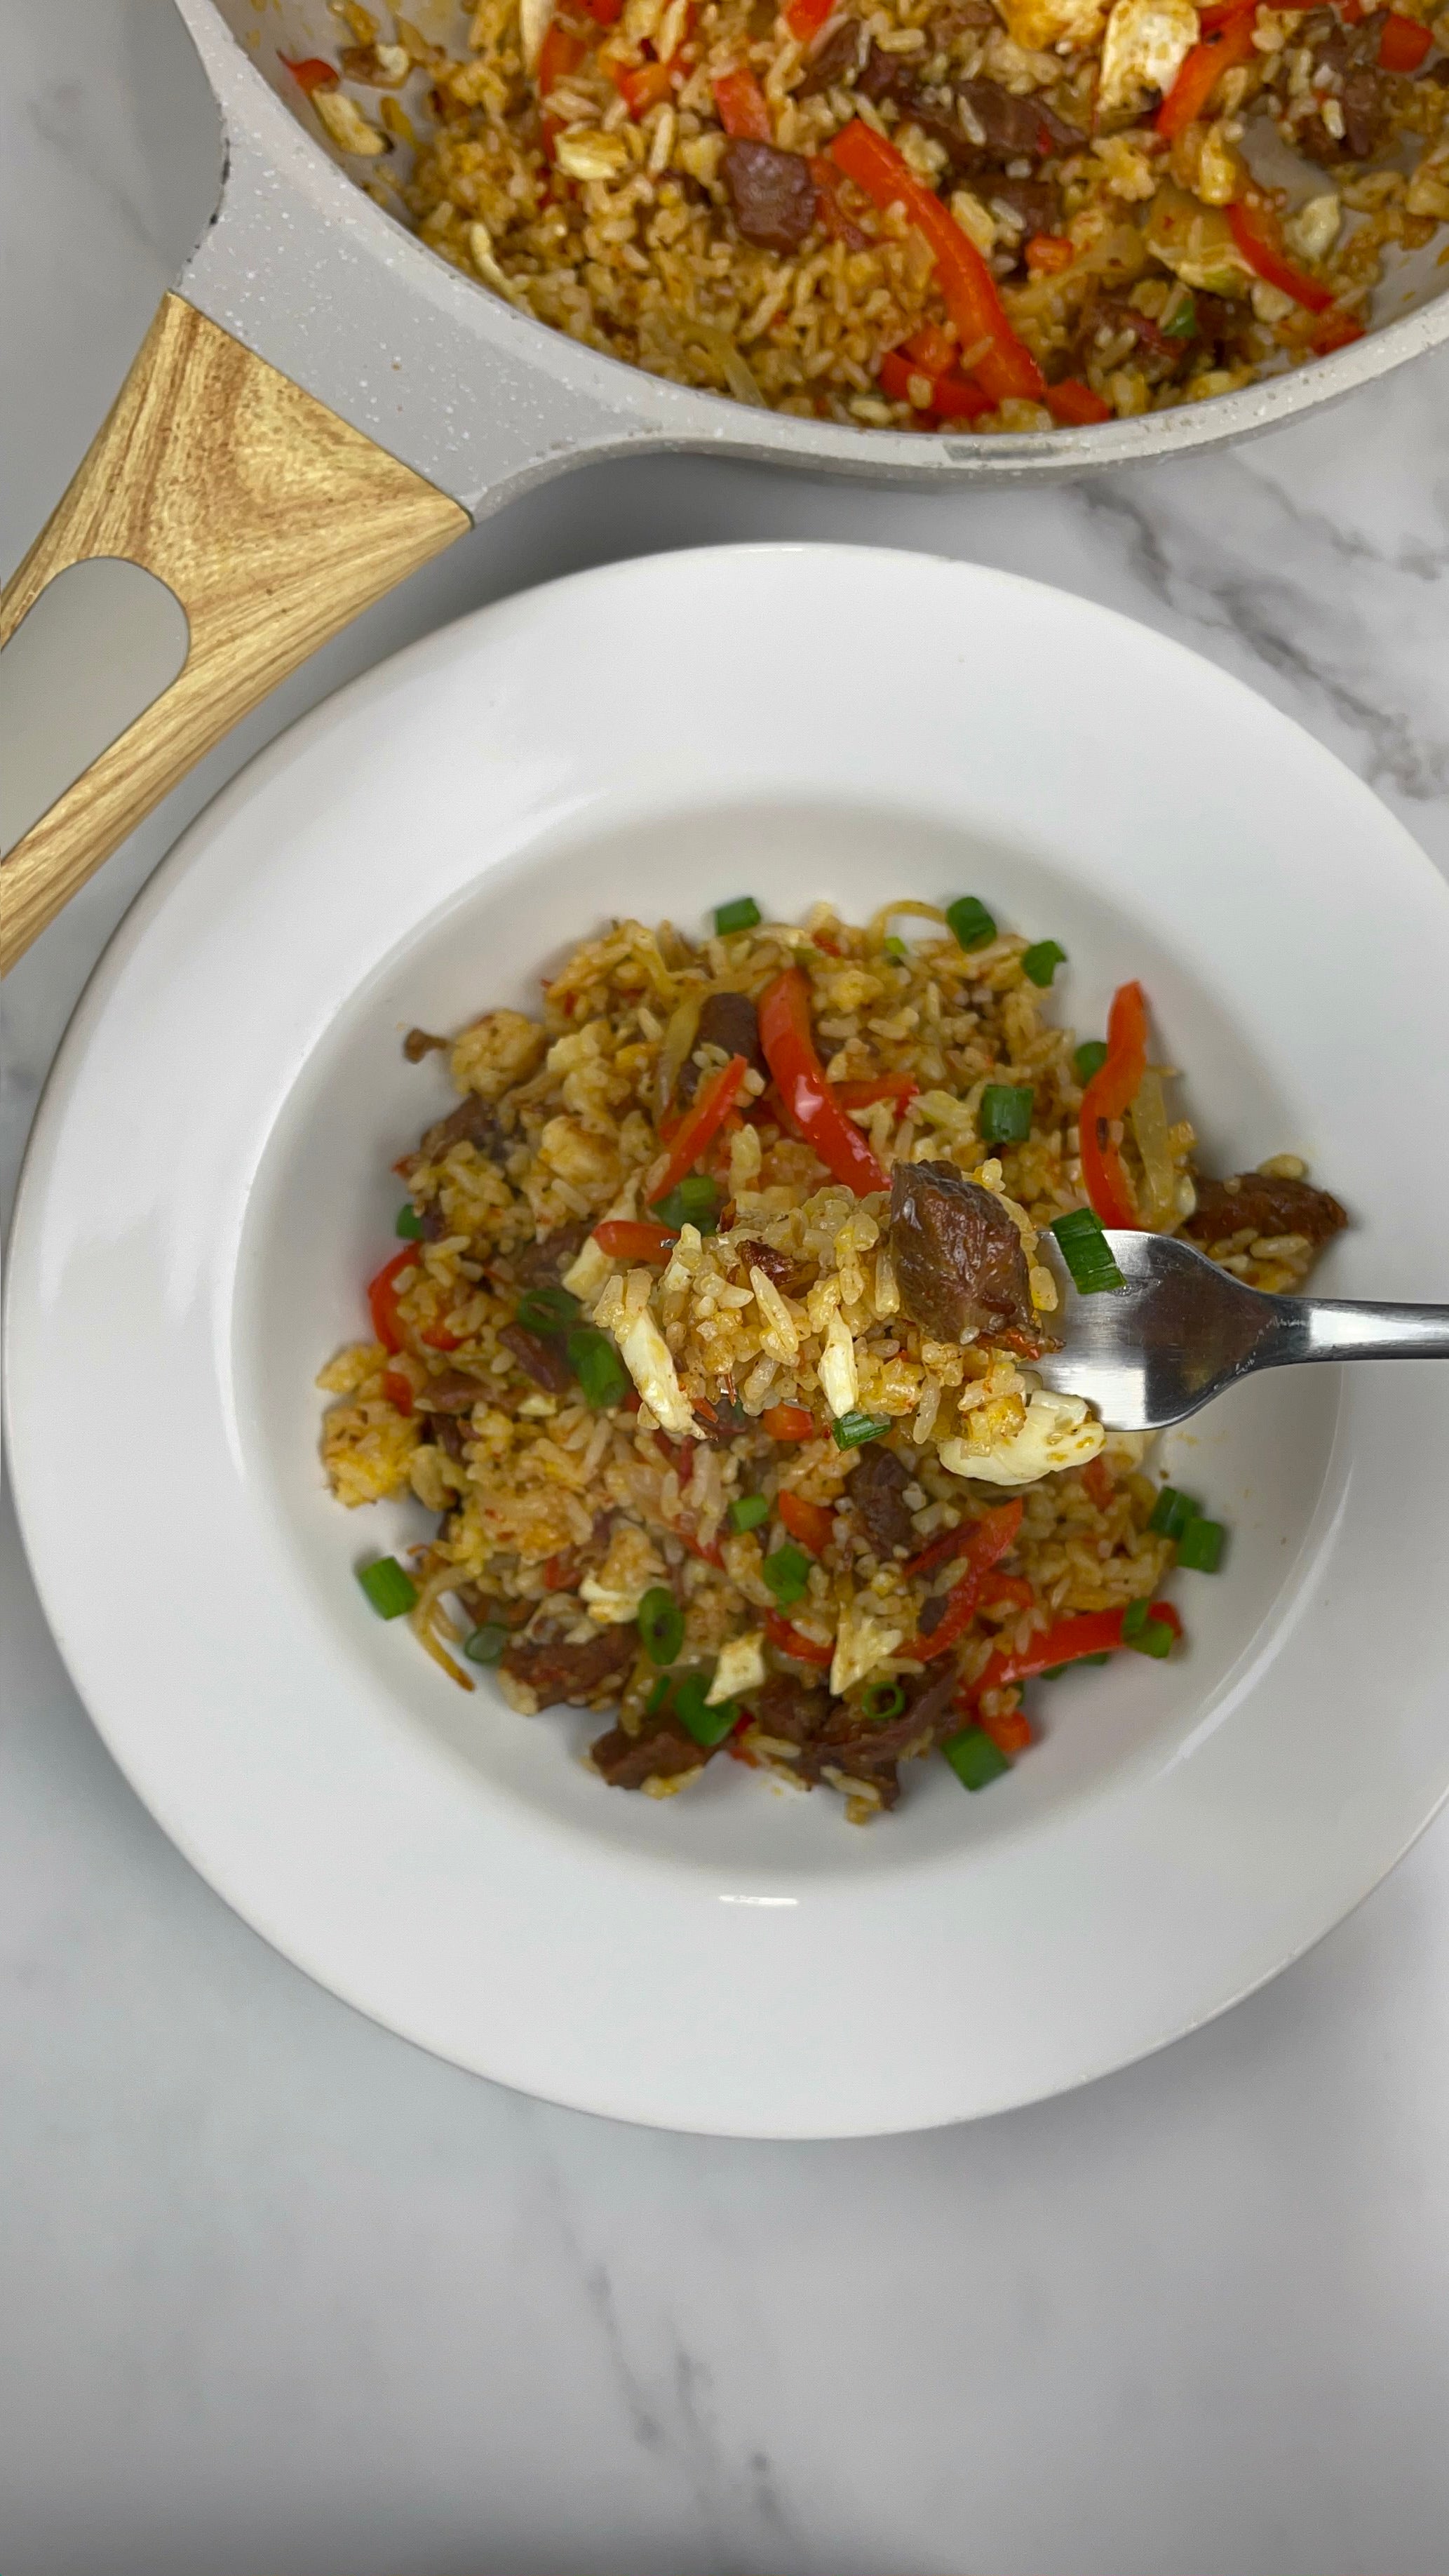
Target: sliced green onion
pixel 973 1757
pixel 854 1428
pixel 883 1700
pixel 1078 1663
pixel 1171 1513
pixel 1183 323
pixel 1041 962
pixel 897 949
pixel 1200 1547
pixel 1053 1672
pixel 659 1695
pixel 1156 1639
pixel 408 1223
pixel 597 1366
pixel 695 1202
pixel 971 922
pixel 787 1573
pixel 1004 1117
pixel 548 1310
pixel 661 1624
pixel 1134 1620
pixel 1090 1057
pixel 389 1588
pixel 742 914
pixel 1094 1659
pixel 1086 1252
pixel 706 1725
pixel 747 1511
pixel 486 1644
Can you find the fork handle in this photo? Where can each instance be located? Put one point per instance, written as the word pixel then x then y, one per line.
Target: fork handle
pixel 1334 1328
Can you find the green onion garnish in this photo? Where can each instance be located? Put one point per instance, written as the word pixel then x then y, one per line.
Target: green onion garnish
pixel 853 1428
pixel 1200 1547
pixel 1040 963
pixel 897 949
pixel 706 1725
pixel 659 1695
pixel 1171 1513
pixel 408 1223
pixel 883 1700
pixel 747 1511
pixel 1156 1639
pixel 1077 1664
pixel 486 1644
pixel 695 1202
pixel 1090 1057
pixel 1183 323
pixel 1004 1117
pixel 547 1310
pixel 1134 1620
pixel 1086 1252
pixel 597 1366
pixel 787 1573
pixel 742 914
pixel 971 922
pixel 973 1757
pixel 1053 1672
pixel 1094 1659
pixel 661 1624
pixel 388 1587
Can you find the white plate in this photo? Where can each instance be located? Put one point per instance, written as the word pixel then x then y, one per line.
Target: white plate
pixel 208 1187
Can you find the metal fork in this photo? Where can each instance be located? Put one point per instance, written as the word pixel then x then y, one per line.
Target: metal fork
pixel 1180 1330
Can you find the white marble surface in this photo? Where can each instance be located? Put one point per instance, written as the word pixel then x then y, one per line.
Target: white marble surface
pixel 278 2293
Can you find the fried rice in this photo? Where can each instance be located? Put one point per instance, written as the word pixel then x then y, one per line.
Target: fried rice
pixel 710 1338
pixel 919 214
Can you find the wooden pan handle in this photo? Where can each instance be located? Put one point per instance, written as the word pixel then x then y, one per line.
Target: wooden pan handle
pixel 273 522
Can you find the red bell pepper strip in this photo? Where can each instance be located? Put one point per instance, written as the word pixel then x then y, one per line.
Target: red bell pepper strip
pixel 712 1107
pixel 398 1390
pixel 1091 1632
pixel 313 74
pixel 805 18
pixel 711 1555
pixel 382 1299
pixel 438 1338
pixel 1227 42
pixel 811 1523
pixel 878 1086
pixel 1108 1095
pixel 1076 405
pixel 1006 1592
pixel 1047 254
pixel 644 86
pixel 789 1641
pixel 1335 330
pixel 828 207
pixel 986 1541
pixel 967 285
pixel 741 106
pixel 787 1422
pixel 1098 1480
pixel 953 397
pixel 1255 229
pixel 1009 1730
pixel 605 13
pixel 624 1240
pixel 561 53
pixel 1403 43
pixel 789 1044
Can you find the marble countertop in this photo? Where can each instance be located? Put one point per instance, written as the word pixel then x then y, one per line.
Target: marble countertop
pixel 281 2293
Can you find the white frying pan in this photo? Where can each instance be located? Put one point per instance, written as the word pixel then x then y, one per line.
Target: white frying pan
pixel 321 404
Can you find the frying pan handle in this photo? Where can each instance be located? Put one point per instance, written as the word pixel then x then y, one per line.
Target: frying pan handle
pixel 274 524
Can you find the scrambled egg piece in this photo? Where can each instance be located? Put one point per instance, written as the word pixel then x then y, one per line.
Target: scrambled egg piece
pixel 1146 44
pixel 1058 1432
pixel 861 1642
pixel 741 1667
pixel 615 1592
pixel 647 1357
pixel 1039 26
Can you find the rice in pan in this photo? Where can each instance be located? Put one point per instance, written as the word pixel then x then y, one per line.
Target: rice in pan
pixel 710 1343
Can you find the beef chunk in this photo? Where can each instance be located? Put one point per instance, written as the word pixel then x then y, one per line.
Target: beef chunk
pixel 730 1022
pixel 795 1710
pixel 421 1042
pixel 543 1361
pixel 982 125
pixel 452 1391
pixel 721 1422
pixel 957 1256
pixel 876 1488
pixel 1351 55
pixel 772 198
pixel 1269 1206
pixel 474 1122
pixel 1027 205
pixel 557 1675
pixel 543 1263
pixel 662 1752
pixel 446 1432
pixel 838 60
pixel 779 1268
pixel 1161 355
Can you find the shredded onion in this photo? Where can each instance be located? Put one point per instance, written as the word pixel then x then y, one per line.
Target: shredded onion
pixel 888 911
pixel 678 1046
pixel 1157 1198
pixel 535 17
